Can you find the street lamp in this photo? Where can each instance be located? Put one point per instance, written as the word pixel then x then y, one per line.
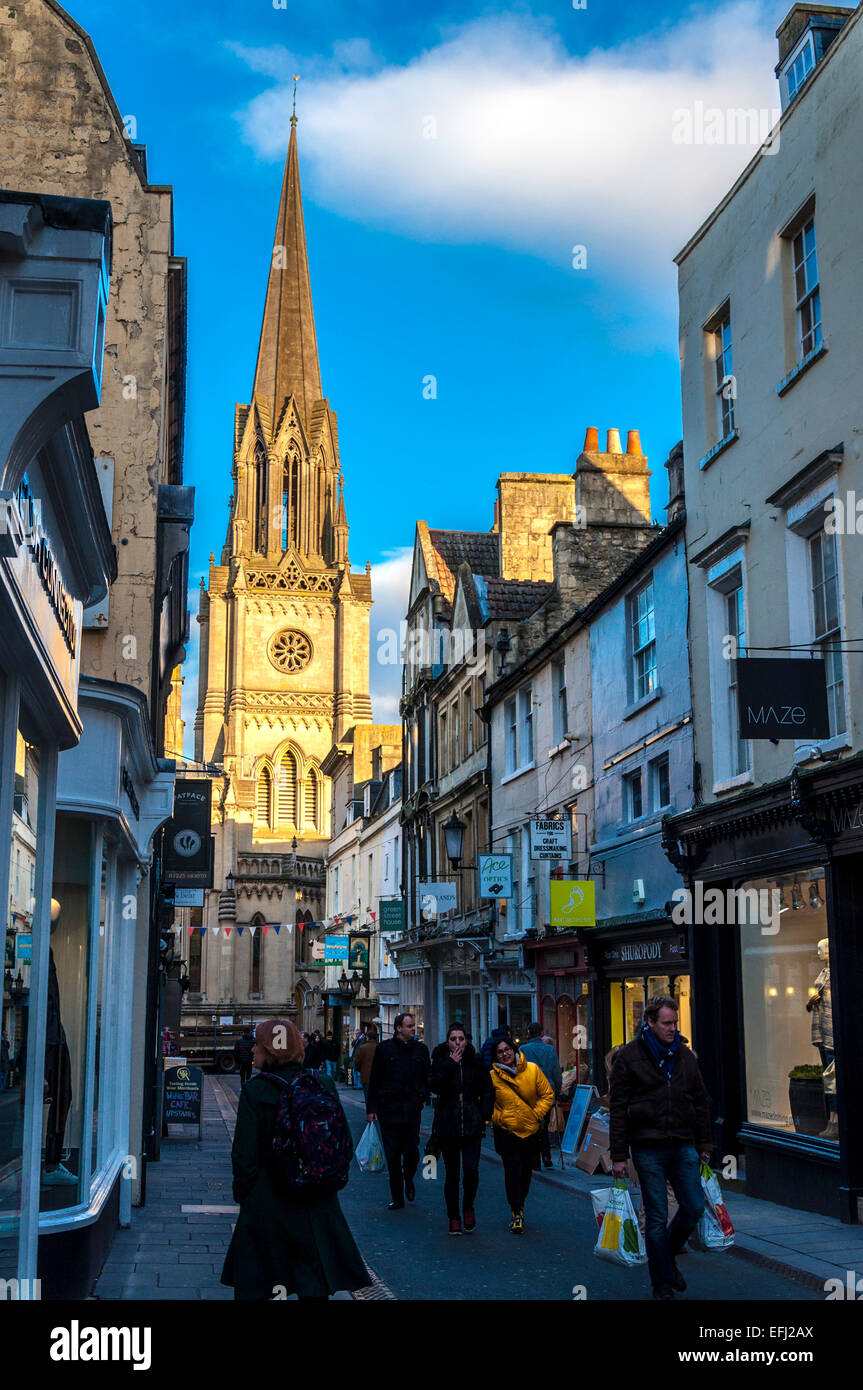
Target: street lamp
pixel 229 882
pixel 344 982
pixel 355 983
pixel 454 837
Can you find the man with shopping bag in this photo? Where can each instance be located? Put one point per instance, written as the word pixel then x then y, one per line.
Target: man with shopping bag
pixel 660 1112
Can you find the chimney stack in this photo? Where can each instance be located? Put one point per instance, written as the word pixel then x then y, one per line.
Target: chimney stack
pixel 633 442
pixel 591 440
pixel 613 442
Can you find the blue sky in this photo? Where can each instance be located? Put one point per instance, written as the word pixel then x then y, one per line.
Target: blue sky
pixel 451 160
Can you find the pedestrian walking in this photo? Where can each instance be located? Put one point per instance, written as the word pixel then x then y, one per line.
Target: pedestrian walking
pixel 522 1099
pixel 312 1052
pixel 537 1050
pixel 398 1090
pixel 283 1242
pixel 364 1057
pixel 464 1108
pixel 660 1113
pixel 243 1054
pixel 359 1039
pixel 487 1048
pixel 331 1055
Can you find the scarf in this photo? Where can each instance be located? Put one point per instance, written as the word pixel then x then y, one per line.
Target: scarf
pixel 510 1071
pixel 663 1056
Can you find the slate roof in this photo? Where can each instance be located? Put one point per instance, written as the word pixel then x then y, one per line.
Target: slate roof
pixel 515 598
pixel 479 549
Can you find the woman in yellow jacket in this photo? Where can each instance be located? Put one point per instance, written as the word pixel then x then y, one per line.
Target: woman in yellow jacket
pixel 522 1099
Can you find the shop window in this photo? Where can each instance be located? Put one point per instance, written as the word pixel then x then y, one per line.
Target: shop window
pixel 633 1005
pixel 788 1012
pixel 65 1126
pixel 616 1011
pixel 549 1026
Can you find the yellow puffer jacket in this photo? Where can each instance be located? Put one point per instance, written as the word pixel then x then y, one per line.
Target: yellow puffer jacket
pixel 521 1102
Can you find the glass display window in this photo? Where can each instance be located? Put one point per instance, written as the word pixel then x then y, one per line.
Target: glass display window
pixel 788 1011
pixel 633 1008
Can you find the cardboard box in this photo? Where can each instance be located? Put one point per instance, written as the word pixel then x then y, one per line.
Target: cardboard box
pixel 595 1152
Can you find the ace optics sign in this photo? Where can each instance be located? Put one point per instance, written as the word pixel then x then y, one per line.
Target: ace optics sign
pixel 782 698
pixel 495 875
pixel 550 838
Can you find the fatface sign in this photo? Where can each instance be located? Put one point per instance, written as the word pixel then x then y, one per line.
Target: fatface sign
pixel 188 859
pixel 780 698
pixel 495 875
pixel 550 838
pixel 572 902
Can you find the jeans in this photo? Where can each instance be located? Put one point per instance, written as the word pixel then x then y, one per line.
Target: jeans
pixel 519 1156
pixel 331 1068
pixel 358 1081
pixel 402 1150
pixel 464 1154
pixel 657 1164
pixel 544 1141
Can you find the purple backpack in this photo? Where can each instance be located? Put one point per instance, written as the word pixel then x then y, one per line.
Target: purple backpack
pixel 312 1145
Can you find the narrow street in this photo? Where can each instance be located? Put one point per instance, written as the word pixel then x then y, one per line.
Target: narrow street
pixel 177 1242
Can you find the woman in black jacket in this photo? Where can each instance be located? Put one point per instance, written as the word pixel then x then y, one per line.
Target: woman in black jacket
pixel 465 1102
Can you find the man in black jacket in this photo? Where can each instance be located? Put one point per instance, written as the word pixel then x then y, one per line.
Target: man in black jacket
pixel 659 1111
pixel 243 1054
pixel 398 1090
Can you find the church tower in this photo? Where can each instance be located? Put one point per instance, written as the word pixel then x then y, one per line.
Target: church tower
pixel 284 651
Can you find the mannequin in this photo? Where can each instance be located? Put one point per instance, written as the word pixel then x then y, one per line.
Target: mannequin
pixel 58 1077
pixel 820 1005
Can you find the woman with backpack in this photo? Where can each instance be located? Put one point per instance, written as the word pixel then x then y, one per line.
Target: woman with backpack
pixel 289 1238
pixel 522 1099
pixel 465 1100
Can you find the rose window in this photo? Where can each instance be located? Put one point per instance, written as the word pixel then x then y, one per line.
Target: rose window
pixel 290 651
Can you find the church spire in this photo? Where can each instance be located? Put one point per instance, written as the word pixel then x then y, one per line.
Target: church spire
pixel 288 350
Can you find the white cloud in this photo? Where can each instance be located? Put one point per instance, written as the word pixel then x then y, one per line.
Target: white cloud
pixel 390 590
pixel 535 149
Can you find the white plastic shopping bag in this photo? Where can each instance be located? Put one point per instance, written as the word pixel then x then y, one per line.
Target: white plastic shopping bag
pixel 714 1230
pixel 618 1238
pixel 370 1150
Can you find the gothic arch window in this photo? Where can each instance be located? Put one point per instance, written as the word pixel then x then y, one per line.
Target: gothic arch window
pixel 302 939
pixel 256 959
pixel 290 502
pixel 286 790
pixel 312 799
pixel 262 476
pixel 264 797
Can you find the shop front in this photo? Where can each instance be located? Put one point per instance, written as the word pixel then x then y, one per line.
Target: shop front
pixel 629 961
pixel 775 882
pixel 56 557
pixel 565 1002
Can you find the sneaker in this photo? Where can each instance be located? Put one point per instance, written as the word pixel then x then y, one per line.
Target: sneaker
pixel 396 1206
pixel 517 1223
pixel 678 1282
pixel 469 1219
pixel 665 1292
pixel 454 1226
pixel 59 1177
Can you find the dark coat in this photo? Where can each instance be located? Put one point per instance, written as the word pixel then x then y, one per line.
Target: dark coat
pixel 465 1094
pixel 281 1240
pixel 312 1059
pixel 399 1082
pixel 644 1106
pixel 243 1050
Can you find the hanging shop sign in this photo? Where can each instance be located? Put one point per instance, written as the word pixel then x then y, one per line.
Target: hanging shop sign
pixel 573 902
pixel 437 898
pixel 358 956
pixel 391 916
pixel 188 859
pixel 188 897
pixel 495 875
pixel 318 950
pixel 782 697
pixel 336 948
pixel 550 838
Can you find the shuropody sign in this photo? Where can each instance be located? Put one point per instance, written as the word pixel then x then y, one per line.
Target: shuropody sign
pixel 495 875
pixel 783 697
pixel 550 838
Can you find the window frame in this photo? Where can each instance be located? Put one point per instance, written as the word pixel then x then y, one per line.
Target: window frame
pixel 637 648
pixel 809 301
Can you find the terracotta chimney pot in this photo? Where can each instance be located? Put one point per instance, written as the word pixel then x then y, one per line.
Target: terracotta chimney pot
pixel 591 440
pixel 613 444
pixel 633 442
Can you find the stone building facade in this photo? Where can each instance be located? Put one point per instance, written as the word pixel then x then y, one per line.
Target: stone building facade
pixel 284 662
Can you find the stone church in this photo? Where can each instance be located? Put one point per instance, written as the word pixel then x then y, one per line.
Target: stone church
pixel 284 660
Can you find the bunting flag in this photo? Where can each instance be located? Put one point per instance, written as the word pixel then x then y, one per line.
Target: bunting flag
pixel 192 929
pixel 253 927
pixel 240 931
pixel 264 928
pixel 227 931
pixel 214 930
pixel 300 925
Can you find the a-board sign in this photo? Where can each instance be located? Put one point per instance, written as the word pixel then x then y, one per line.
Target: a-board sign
pixel 577 1118
pixel 183 1089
